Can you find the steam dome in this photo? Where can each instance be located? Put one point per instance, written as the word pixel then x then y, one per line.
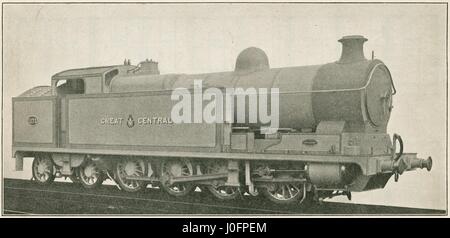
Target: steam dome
pixel 252 59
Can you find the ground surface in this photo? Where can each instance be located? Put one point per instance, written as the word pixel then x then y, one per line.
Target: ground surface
pixel 26 197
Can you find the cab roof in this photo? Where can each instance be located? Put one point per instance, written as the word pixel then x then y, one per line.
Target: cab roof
pixel 84 72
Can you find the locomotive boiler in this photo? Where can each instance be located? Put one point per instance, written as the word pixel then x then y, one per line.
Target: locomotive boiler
pixel 114 122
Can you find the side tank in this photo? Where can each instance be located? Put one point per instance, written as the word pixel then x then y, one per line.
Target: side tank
pixel 352 89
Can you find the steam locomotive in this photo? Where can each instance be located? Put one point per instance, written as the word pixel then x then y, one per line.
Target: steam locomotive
pixel 114 122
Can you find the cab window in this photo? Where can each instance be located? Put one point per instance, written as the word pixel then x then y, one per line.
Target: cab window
pixel 70 86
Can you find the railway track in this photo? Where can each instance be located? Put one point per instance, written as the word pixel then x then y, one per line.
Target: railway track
pixel 25 197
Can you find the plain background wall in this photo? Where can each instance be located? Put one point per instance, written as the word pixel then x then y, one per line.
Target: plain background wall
pixel 41 40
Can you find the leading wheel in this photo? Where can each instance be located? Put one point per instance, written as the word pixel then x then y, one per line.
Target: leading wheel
pixel 43 169
pixel 176 168
pixel 90 175
pixel 128 168
pixel 283 193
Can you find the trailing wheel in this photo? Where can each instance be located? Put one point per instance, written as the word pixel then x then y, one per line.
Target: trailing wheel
pixel 90 175
pixel 176 168
pixel 130 167
pixel 43 169
pixel 283 193
pixel 218 188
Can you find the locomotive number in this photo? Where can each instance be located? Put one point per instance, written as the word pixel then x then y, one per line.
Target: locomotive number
pixel 32 120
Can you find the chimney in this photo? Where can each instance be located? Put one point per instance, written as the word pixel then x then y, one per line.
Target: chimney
pixel 352 49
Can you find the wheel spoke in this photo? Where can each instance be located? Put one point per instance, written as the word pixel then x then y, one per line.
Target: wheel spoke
pixel 219 190
pixel 42 169
pixel 279 190
pixel 130 167
pixel 173 168
pixel 90 174
pixel 283 193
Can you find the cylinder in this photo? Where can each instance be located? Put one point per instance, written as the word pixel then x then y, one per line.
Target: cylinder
pixel 324 175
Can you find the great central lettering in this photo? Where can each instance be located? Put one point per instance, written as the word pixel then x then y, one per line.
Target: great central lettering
pixel 141 121
pixel 154 120
pixel 111 121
